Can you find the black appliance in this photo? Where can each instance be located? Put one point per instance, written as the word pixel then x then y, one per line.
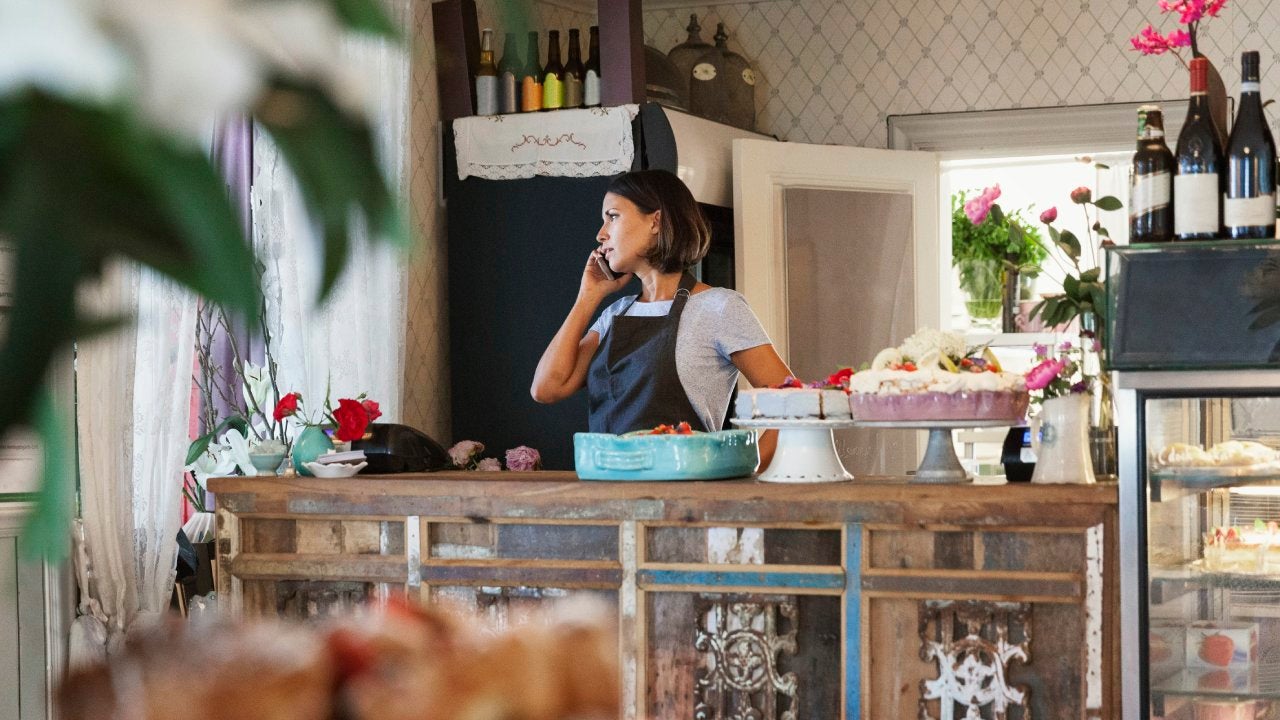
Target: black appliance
pixel 515 252
pixel 1017 456
pixel 393 448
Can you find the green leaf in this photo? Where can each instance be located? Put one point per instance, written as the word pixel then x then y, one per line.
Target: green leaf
pixel 1100 166
pixel 1090 275
pixel 1098 295
pixel 48 529
pixel 996 215
pixel 1038 309
pixel 1108 202
pixel 365 16
pixel 1069 244
pixel 1071 286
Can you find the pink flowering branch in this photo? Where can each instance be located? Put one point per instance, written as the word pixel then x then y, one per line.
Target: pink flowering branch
pixel 1190 13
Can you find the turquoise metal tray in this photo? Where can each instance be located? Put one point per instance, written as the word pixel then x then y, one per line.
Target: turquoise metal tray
pixel 701 456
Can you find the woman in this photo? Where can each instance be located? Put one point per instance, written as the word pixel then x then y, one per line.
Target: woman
pixel 672 353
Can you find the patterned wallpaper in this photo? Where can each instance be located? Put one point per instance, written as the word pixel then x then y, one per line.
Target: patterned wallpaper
pixel 832 71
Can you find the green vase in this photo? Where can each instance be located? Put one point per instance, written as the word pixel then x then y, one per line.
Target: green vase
pixel 312 442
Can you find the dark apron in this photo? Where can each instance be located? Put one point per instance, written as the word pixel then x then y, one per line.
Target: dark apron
pixel 632 383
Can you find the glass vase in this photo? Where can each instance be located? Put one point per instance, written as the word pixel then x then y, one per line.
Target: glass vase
pixel 982 281
pixel 312 442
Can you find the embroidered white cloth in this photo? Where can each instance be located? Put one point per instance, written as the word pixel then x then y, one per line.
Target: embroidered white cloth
pixel 565 143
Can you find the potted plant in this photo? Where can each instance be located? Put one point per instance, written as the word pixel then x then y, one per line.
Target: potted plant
pixel 991 250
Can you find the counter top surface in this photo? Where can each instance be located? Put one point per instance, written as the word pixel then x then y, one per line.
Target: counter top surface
pixel 560 495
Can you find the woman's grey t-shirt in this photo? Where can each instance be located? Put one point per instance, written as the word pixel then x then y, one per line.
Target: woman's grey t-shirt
pixel 716 323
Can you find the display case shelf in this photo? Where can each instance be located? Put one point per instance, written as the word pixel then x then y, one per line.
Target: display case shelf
pixel 1260 681
pixel 1194 479
pixel 1174 582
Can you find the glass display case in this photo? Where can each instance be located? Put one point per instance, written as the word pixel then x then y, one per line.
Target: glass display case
pixel 1195 342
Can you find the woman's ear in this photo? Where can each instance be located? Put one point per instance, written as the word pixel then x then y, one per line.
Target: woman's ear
pixel 656 220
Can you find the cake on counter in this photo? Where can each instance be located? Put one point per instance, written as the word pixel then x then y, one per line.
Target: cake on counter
pixel 793 399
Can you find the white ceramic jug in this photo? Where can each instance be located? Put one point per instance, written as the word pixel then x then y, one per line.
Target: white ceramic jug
pixel 1060 439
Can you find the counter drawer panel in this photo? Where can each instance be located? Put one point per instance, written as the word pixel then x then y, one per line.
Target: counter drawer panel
pixel 567 574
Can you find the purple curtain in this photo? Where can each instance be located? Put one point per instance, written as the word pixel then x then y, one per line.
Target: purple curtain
pixel 232 155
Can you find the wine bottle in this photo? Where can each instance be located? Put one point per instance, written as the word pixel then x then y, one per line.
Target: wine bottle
pixel 1249 207
pixel 1151 190
pixel 531 77
pixel 573 72
pixel 1200 171
pixel 553 74
pixel 486 77
pixel 591 79
pixel 508 70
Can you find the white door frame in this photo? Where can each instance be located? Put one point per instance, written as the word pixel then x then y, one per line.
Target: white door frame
pixel 764 170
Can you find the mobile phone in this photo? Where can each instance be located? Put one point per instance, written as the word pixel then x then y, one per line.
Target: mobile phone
pixel 604 268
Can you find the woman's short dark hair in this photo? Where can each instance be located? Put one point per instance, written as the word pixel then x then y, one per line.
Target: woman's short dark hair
pixel 683 233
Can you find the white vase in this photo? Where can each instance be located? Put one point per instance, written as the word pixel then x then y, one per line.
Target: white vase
pixel 1060 439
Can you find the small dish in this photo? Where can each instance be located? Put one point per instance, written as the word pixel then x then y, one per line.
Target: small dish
pixel 334 470
pixel 267 463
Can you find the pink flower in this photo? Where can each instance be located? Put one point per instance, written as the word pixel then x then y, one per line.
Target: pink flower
pixel 1039 377
pixel 1150 42
pixel 978 208
pixel 489 465
pixel 462 453
pixel 523 458
pixel 1190 11
pixel 1049 215
pixel 1081 195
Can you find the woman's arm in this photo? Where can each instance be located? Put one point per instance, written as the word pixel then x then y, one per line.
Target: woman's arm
pixel 562 370
pixel 762 367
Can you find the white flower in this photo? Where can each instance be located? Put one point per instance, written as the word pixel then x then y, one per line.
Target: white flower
pixel 57 46
pixel 215 461
pixel 926 339
pixel 190 66
pixel 257 389
pixel 237 447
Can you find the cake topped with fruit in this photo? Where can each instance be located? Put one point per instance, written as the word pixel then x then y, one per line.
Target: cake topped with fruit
pixel 1243 549
pixel 934 376
pixel 793 399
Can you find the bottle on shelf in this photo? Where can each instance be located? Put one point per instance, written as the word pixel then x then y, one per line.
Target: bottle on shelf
pixel 553 74
pixel 1201 165
pixel 1151 189
pixel 531 77
pixel 1249 205
pixel 573 72
pixel 486 77
pixel 508 72
pixel 591 78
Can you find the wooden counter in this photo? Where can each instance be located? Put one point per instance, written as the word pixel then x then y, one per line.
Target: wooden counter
pixel 827 600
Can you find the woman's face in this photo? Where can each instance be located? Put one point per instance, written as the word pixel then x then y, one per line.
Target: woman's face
pixel 627 234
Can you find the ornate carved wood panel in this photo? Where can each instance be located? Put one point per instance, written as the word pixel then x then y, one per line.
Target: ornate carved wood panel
pixel 742 642
pixel 973 642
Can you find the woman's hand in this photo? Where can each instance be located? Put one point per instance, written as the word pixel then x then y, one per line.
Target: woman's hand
pixel 595 283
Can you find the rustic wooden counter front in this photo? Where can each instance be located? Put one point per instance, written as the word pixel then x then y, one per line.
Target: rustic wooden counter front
pixel 874 599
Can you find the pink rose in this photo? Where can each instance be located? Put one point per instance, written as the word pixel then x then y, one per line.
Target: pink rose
pixel 489 465
pixel 463 452
pixel 1049 215
pixel 978 208
pixel 1081 195
pixel 1039 377
pixel 523 459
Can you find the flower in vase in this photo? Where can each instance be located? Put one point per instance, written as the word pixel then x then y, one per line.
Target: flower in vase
pixel 523 458
pixel 371 407
pixel 1079 196
pixel 287 406
pixel 978 208
pixel 489 465
pixel 1049 215
pixel 1039 377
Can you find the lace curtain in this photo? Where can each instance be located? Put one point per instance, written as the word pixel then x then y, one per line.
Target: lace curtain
pixel 355 341
pixel 134 401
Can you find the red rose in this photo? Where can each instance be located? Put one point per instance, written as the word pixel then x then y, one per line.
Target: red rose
pixel 352 420
pixel 371 407
pixel 287 407
pixel 1081 195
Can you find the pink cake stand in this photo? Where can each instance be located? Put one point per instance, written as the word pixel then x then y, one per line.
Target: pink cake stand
pixel 940 463
pixel 806 450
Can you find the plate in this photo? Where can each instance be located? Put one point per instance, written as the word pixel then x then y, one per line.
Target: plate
pixel 1217 473
pixel 334 470
pixel 820 423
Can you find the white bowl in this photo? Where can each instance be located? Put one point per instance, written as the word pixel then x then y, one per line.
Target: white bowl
pixel 334 470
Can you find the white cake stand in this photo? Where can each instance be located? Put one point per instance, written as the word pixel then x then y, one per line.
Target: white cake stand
pixel 806 450
pixel 940 464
